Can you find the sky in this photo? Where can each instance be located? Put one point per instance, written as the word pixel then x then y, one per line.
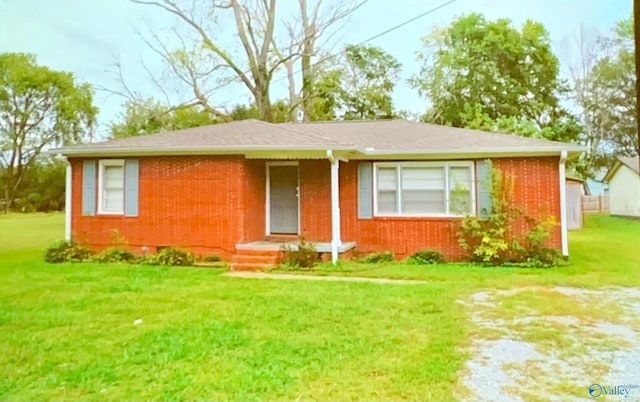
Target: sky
pixel 87 37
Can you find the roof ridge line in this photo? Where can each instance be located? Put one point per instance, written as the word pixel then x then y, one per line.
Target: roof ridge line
pixel 315 136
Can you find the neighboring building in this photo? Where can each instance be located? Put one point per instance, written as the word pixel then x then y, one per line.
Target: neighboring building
pixel 624 187
pixel 596 187
pixel 575 192
pixel 232 188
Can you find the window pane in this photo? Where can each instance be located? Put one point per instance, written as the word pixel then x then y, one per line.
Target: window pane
pixel 423 202
pixel 113 188
pixel 460 190
pixel 113 200
pixel 387 202
pixel 387 178
pixel 415 178
pixel 113 177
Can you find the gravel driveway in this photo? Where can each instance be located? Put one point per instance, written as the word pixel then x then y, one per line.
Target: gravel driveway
pixel 543 356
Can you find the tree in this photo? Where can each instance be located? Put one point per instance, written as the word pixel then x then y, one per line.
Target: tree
pixel 43 186
pixel 359 87
pixel 280 110
pixel 314 23
pixel 506 71
pixel 39 107
pixel 206 60
pixel 586 44
pixel 611 102
pixel 255 23
pixel 150 117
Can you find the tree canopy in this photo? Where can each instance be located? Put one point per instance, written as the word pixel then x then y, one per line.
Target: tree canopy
pixel 39 108
pixel 359 86
pixel 493 70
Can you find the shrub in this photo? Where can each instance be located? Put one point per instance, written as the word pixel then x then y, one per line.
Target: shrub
pixel 113 255
pixel 301 255
pixel 492 241
pixel 211 258
pixel 374 258
pixel 66 251
pixel 173 256
pixel 426 257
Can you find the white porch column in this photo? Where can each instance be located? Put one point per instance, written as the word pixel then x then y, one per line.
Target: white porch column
pixel 67 204
pixel 335 206
pixel 563 203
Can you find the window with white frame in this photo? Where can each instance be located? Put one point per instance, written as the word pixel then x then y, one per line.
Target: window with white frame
pixel 111 187
pixel 424 188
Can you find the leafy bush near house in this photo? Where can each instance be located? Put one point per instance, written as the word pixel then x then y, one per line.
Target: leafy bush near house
pixel 174 257
pixel 375 258
pixel 302 255
pixel 493 241
pixel 426 257
pixel 66 251
pixel 113 255
pixel 211 258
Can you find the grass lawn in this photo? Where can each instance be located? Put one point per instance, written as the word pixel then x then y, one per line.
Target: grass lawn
pixel 602 254
pixel 67 331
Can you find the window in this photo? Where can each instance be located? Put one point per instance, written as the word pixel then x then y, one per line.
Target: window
pixel 111 187
pixel 424 188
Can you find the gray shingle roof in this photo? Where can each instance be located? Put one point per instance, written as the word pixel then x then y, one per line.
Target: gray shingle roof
pixel 403 135
pixel 384 137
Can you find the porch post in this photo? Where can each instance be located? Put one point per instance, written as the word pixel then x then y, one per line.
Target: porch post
pixel 335 206
pixel 563 204
pixel 67 204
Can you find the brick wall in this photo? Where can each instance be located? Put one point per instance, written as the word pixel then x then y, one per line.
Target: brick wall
pixel 209 203
pixel 315 200
pixel 195 202
pixel 537 188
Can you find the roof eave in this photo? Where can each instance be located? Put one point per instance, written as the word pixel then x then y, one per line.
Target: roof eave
pixel 182 151
pixel 475 152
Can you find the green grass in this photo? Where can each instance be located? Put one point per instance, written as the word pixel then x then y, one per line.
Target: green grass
pixel 604 253
pixel 67 330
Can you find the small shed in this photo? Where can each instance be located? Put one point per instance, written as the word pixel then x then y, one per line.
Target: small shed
pixel 624 187
pixel 574 192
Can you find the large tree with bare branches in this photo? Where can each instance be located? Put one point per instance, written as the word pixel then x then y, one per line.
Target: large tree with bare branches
pixel 211 61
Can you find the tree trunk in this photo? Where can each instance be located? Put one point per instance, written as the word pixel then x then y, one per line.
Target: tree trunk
pixel 293 98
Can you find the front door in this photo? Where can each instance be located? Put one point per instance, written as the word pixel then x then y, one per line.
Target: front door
pixel 283 199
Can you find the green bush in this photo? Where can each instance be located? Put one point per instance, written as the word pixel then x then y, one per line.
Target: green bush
pixel 375 258
pixel 426 257
pixel 66 251
pixel 494 242
pixel 113 255
pixel 301 255
pixel 174 257
pixel 211 258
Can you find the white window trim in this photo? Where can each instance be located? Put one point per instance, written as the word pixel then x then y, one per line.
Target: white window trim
pixel 444 164
pixel 101 165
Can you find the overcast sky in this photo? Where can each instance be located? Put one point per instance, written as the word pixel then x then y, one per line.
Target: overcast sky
pixel 88 36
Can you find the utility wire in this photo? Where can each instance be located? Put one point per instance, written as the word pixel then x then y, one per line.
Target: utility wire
pixel 329 57
pixel 374 37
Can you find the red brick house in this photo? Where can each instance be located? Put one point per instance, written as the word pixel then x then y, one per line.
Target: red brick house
pixel 232 188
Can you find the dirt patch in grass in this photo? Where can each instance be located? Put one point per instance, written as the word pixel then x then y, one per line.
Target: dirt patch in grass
pixel 551 343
